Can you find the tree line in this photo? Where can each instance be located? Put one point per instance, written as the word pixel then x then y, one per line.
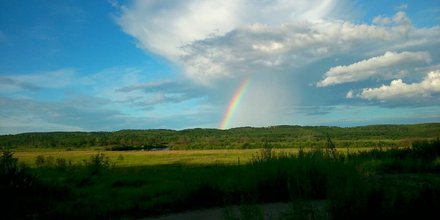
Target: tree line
pixel 245 137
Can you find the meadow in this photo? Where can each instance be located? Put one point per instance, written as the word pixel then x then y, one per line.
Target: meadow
pixel 323 182
pixel 395 182
pixel 151 158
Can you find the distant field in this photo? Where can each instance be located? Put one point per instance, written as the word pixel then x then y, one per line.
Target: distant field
pixel 146 158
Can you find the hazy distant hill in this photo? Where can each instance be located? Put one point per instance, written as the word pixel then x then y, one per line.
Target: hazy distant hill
pixel 244 137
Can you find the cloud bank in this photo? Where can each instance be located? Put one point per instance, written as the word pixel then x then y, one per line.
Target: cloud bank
pixel 385 66
pixel 213 40
pixel 317 52
pixel 311 62
pixel 422 91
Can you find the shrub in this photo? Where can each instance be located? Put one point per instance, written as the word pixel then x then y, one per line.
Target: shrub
pixel 40 161
pixel 61 163
pixel 120 157
pixel 13 174
pixel 426 149
pixel 50 161
pixel 8 164
pixel 97 163
pixel 22 197
pixel 265 154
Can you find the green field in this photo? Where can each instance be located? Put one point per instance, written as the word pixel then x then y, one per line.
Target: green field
pixel 149 158
pixel 391 178
pixel 361 184
pixel 145 158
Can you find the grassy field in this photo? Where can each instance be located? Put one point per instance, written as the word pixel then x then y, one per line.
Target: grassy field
pixel 147 158
pixel 366 183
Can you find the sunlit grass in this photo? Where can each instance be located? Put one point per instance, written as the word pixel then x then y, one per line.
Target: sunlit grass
pixel 363 184
pixel 146 158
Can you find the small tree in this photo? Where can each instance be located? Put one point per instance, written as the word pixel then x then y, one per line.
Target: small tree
pixel 97 162
pixel 61 164
pixel 13 174
pixel 265 154
pixel 120 157
pixel 8 164
pixel 331 148
pixel 40 161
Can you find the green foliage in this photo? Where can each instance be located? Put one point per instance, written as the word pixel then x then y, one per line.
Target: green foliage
pixel 331 147
pixel 97 163
pixel 265 154
pixel 22 196
pixel 428 149
pixel 398 183
pixel 13 174
pixel 48 162
pixel 8 164
pixel 120 157
pixel 388 197
pixel 61 164
pixel 238 138
pixel 40 161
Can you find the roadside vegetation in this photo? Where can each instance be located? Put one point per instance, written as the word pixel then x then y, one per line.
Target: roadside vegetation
pixel 392 183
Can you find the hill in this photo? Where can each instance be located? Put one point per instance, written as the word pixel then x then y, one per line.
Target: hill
pixel 243 137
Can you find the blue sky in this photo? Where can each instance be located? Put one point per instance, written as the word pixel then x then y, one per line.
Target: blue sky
pixel 109 65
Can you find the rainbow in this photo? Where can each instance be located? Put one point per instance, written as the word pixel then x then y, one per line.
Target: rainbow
pixel 232 107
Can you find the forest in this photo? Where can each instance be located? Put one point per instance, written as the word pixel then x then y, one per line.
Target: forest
pixel 236 138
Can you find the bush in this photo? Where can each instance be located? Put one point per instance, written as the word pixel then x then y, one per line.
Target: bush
pixel 22 196
pixel 371 201
pixel 97 163
pixel 13 174
pixel 40 161
pixel 61 164
pixel 265 154
pixel 426 149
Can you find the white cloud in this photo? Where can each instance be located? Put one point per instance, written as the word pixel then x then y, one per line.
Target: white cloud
pixel 349 94
pixel 164 26
pixel 112 99
pixel 16 85
pixel 181 30
pixel 379 66
pixel 49 79
pixel 402 7
pixel 214 40
pixel 258 48
pixel 399 90
pixel 399 18
pixel 218 43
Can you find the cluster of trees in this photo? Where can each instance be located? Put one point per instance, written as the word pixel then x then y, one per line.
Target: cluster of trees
pixel 244 137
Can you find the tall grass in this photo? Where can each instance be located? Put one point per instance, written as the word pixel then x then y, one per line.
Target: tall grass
pixel 354 186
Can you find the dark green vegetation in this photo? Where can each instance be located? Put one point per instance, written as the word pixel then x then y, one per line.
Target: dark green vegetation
pixel 247 137
pixel 399 183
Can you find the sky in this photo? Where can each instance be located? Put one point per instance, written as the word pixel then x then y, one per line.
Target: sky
pixel 79 65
